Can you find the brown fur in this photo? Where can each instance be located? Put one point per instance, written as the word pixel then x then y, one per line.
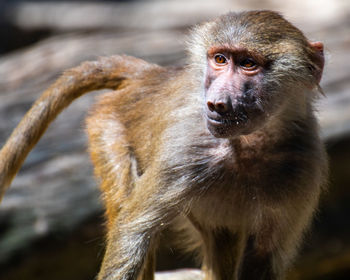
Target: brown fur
pixel 247 197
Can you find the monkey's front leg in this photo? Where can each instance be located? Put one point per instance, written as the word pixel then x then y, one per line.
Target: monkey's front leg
pixel 271 248
pixel 263 254
pixel 132 236
pixel 232 256
pixel 126 252
pixel 256 264
pixel 221 253
pixel 130 248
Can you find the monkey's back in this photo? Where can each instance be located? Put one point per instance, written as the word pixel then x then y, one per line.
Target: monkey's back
pixel 125 127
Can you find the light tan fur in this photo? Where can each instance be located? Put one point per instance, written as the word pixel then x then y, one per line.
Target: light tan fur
pixel 243 186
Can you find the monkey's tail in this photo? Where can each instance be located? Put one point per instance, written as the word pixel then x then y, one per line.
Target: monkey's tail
pixel 107 72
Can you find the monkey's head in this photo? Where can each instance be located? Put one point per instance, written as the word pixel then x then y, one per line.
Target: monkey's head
pixel 249 65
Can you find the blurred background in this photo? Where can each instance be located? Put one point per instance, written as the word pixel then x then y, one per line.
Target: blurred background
pixel 51 219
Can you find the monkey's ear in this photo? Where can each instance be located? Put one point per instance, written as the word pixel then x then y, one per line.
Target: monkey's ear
pixel 318 59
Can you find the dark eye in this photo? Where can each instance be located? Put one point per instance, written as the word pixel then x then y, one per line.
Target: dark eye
pixel 220 59
pixel 248 64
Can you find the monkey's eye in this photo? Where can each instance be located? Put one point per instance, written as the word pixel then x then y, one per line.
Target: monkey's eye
pixel 248 64
pixel 220 59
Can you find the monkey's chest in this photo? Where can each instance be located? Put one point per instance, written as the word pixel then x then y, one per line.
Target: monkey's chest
pixel 236 189
pixel 214 210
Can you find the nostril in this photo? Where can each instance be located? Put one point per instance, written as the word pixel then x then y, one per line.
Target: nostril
pixel 211 106
pixel 221 107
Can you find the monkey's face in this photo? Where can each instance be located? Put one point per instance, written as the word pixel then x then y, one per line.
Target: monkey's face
pixel 235 103
pixel 249 62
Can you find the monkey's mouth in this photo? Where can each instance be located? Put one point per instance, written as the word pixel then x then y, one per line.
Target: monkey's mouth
pixel 223 127
pixel 233 121
pixel 235 118
pixel 219 121
pixel 230 124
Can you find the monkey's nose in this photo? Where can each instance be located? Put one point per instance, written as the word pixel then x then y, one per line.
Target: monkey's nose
pixel 219 106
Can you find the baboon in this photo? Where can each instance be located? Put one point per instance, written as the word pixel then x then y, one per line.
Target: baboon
pixel 227 147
